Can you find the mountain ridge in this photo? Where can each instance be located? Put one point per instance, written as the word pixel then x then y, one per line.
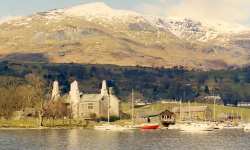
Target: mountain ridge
pixel 82 34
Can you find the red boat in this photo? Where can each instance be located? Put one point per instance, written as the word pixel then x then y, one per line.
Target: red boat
pixel 150 126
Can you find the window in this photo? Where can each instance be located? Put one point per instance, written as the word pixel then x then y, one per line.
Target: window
pixel 90 106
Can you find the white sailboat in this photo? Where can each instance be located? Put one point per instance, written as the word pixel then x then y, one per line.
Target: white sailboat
pixel 108 126
pixel 217 126
pixel 132 125
pixel 247 127
pixel 177 126
pixel 196 127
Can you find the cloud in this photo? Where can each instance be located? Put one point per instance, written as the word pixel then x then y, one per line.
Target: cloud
pixel 157 7
pixel 230 11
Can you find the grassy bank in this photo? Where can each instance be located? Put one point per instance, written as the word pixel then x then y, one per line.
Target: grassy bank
pixel 34 123
pixel 27 123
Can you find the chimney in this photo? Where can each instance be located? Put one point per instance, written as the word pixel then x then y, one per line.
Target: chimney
pixel 74 92
pixel 55 91
pixel 104 90
pixel 111 90
pixel 74 97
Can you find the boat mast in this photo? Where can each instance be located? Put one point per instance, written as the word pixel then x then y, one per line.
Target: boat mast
pixel 180 111
pixel 214 104
pixel 189 111
pixel 132 105
pixel 108 107
pixel 214 109
pixel 241 117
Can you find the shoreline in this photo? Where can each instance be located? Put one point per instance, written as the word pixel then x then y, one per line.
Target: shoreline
pixel 92 127
pixel 41 128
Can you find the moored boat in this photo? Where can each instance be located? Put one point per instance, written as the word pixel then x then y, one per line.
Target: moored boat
pixel 231 126
pixel 109 127
pixel 247 128
pixel 150 126
pixel 196 127
pixel 217 126
pixel 174 127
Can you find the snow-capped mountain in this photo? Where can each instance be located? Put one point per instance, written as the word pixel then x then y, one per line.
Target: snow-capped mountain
pixel 187 29
pixel 97 33
pixel 193 30
pixel 99 10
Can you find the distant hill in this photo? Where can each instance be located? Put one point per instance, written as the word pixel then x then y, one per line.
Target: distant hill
pixel 97 34
pixel 151 84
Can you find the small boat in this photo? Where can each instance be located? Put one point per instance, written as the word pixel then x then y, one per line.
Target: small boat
pixel 109 127
pixel 150 126
pixel 217 126
pixel 196 127
pixel 247 128
pixel 230 126
pixel 174 127
pixel 140 104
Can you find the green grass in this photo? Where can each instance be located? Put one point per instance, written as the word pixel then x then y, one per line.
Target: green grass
pixel 64 123
pixel 34 123
pixel 219 109
pixel 126 108
pixel 243 112
pixel 27 123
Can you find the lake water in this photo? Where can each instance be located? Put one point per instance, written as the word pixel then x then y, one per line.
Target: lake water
pixel 81 139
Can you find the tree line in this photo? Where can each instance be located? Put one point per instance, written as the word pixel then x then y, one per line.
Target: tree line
pixel 152 84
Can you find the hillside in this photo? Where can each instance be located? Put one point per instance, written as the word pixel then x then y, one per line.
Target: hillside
pixel 150 84
pixel 97 34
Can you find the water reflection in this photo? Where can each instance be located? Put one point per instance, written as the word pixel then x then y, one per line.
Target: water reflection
pixel 73 139
pixel 80 139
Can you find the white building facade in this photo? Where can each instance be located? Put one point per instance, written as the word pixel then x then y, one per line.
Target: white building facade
pixel 89 105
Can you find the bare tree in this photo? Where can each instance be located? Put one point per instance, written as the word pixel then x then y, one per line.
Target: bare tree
pixel 38 86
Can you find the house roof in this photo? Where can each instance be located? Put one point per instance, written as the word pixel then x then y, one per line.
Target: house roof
pixel 90 97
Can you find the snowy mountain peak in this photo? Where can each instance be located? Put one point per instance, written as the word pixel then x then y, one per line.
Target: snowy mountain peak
pixel 101 13
pixel 97 9
pixel 186 28
pixel 91 7
pixel 9 19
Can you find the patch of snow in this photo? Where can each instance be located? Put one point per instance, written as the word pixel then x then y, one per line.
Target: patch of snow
pixel 8 19
pixel 184 28
pixel 190 29
pixel 102 14
pixel 99 10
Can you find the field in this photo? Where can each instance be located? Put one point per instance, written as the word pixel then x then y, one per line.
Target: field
pixel 244 113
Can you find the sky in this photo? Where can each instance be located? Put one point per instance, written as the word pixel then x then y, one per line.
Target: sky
pixel 229 11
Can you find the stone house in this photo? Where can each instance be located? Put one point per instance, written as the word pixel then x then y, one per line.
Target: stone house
pixel 85 105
